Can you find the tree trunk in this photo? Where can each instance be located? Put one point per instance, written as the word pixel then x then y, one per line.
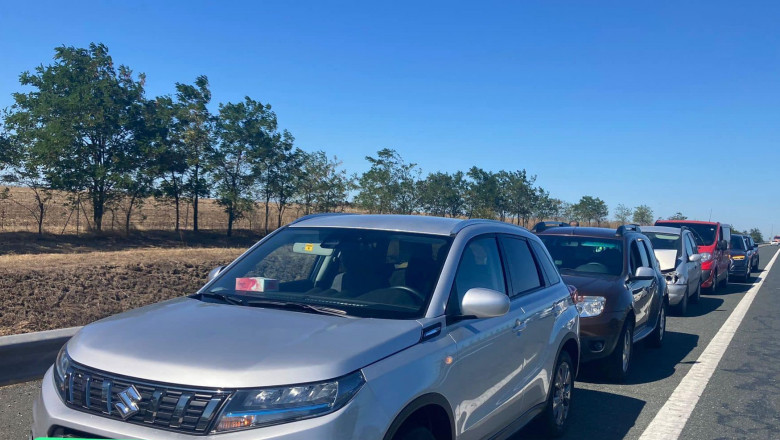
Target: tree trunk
pixel 281 211
pixel 41 213
pixel 196 189
pixel 230 221
pixel 267 203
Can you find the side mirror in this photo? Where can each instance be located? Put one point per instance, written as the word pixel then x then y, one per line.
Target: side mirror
pixel 214 272
pixel 484 303
pixel 643 273
pixel 723 245
pixel 694 258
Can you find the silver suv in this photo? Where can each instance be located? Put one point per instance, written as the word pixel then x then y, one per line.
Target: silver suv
pixel 335 326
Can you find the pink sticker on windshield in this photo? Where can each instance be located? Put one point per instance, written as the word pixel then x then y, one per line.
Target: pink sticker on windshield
pixel 257 284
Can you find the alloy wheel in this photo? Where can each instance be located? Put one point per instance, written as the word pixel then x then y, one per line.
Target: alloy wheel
pixel 562 396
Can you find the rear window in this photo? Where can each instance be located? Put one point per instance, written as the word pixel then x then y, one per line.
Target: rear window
pixel 585 255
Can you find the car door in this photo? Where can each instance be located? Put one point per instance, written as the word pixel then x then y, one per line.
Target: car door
pixel 529 289
pixel 657 287
pixel 640 289
pixel 489 359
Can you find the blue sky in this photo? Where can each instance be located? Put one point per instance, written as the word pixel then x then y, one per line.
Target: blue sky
pixel 671 104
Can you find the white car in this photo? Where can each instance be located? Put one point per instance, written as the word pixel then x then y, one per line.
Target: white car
pixel 776 240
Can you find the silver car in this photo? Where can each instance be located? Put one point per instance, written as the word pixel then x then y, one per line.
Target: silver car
pixel 336 326
pixel 680 263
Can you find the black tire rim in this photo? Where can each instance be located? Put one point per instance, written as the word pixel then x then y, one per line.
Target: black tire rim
pixel 562 394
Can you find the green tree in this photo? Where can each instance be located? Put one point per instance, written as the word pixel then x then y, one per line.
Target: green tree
pixel 245 131
pixel 389 185
pixel 322 186
pixel 81 118
pixel 755 233
pixel 591 209
pixel 643 215
pixel 545 207
pixel 195 127
pixel 169 162
pixel 482 195
pixel 678 216
pixel 286 186
pixel 623 213
pixel 519 194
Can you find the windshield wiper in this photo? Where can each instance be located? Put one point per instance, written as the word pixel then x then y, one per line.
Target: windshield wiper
pixel 298 306
pixel 230 299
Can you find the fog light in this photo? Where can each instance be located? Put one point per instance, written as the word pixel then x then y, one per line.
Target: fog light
pixel 597 346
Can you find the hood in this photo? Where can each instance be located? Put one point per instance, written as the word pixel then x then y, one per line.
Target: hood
pixel 737 252
pixel 189 342
pixel 667 258
pixel 592 285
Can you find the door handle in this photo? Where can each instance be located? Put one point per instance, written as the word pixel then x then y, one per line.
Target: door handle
pixel 520 325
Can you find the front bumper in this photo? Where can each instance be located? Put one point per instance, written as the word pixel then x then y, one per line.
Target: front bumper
pixel 676 293
pixel 738 267
pixel 359 419
pixel 599 335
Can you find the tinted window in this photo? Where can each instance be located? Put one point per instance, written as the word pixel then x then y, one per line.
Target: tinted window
pixel 480 266
pixel 523 271
pixel 585 254
pixel 544 260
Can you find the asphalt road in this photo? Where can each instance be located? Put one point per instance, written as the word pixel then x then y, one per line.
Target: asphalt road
pixel 741 400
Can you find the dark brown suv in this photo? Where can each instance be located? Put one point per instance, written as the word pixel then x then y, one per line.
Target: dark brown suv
pixel 621 291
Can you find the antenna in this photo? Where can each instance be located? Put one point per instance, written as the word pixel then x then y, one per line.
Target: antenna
pixel 710 215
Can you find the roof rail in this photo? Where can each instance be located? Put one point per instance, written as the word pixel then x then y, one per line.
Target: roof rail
pixel 322 214
pixel 629 227
pixel 476 221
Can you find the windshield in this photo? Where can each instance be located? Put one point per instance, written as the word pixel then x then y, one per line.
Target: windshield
pixel 737 242
pixel 585 255
pixel 703 234
pixel 366 273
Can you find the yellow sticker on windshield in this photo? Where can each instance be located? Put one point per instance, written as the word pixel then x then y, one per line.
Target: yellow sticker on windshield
pixel 309 247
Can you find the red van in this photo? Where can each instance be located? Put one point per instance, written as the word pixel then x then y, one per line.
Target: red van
pixel 713 240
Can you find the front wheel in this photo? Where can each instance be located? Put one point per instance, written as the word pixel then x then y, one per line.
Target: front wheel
pixel 656 339
pixel 682 308
pixel 715 282
pixel 697 297
pixel 555 416
pixel 619 362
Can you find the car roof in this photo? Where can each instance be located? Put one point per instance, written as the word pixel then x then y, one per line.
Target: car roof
pixel 392 222
pixel 662 229
pixel 689 221
pixel 581 231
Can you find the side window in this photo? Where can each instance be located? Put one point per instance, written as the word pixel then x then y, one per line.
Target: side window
pixel 649 254
pixel 523 271
pixel 480 266
pixel 690 249
pixel 638 258
pixel 550 271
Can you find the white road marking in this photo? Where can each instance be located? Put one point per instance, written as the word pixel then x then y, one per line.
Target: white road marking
pixel 668 424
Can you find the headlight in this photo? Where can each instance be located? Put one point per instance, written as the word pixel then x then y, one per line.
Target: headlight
pixel 738 257
pixel 674 278
pixel 591 305
pixel 61 370
pixel 267 406
pixel 706 256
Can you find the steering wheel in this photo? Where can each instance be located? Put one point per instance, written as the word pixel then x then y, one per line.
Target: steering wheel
pixel 412 292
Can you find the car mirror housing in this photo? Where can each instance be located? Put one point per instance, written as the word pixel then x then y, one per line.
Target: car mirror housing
pixel 723 245
pixel 484 303
pixel 214 272
pixel 694 258
pixel 643 273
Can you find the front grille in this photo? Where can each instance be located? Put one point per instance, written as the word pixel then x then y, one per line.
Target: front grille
pixel 161 406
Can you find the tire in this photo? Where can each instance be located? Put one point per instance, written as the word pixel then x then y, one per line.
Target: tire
pixel 656 338
pixel 697 297
pixel 725 282
pixel 714 286
pixel 618 363
pixel 415 433
pixel 682 308
pixel 555 417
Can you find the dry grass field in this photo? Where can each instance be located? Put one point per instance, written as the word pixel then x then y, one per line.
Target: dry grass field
pixel 48 291
pixel 153 214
